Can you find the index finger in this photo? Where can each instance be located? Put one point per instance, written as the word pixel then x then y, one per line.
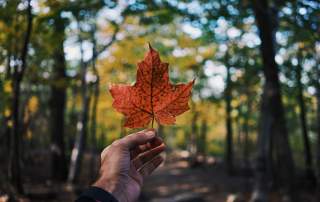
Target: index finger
pixel 139 138
pixel 155 142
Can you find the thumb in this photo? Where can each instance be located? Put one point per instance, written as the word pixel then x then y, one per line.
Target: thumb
pixel 139 138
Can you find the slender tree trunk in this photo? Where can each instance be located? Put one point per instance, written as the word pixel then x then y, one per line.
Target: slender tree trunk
pixel 15 167
pixel 318 120
pixel 15 158
pixel 93 129
pixel 8 69
pixel 272 121
pixel 304 125
pixel 80 143
pixel 246 131
pixel 229 136
pixel 7 129
pixel 96 94
pixel 58 105
pixel 203 137
pixel 73 118
pixel 193 140
pixel 239 126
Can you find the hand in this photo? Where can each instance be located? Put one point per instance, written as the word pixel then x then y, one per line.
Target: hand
pixel 127 161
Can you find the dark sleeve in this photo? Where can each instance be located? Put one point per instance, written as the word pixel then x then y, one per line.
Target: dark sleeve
pixel 95 194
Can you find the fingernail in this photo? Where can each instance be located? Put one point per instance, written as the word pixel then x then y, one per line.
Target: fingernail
pixel 150 133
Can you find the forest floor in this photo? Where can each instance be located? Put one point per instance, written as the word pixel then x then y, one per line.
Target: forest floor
pixel 175 181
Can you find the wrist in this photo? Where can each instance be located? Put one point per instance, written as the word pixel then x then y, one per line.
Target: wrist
pixel 110 186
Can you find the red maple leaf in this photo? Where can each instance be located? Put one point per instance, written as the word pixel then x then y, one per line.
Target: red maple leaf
pixel 152 97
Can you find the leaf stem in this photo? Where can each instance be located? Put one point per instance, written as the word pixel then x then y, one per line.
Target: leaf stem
pixel 152 122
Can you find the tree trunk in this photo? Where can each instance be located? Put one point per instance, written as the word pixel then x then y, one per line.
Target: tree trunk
pixel 6 118
pixel 272 123
pixel 57 106
pixel 96 94
pixel 239 126
pixel 80 143
pixel 246 131
pixel 318 119
pixel 71 129
pixel 193 139
pixel 15 167
pixel 304 125
pixel 93 128
pixel 229 135
pixel 203 137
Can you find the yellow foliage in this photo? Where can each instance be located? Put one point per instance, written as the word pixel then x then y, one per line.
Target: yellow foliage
pixel 7 87
pixel 33 104
pixel 7 112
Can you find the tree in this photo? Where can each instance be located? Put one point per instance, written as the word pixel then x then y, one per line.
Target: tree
pixel 58 102
pixel 272 122
pixel 301 45
pixel 18 74
pixel 317 70
pixel 303 120
pixel 228 99
pixel 95 99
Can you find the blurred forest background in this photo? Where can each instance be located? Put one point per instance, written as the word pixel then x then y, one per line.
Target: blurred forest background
pixel 253 130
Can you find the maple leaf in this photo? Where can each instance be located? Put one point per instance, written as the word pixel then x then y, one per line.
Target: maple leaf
pixel 152 97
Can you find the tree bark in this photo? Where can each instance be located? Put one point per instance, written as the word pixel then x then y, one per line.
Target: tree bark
pixel 15 167
pixel 57 106
pixel 229 130
pixel 272 123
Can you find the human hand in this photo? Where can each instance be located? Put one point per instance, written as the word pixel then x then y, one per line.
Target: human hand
pixel 127 161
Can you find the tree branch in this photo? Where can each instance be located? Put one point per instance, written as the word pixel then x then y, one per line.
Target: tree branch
pixel 105 47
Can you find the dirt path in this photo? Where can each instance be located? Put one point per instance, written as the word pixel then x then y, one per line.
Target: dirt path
pixel 176 182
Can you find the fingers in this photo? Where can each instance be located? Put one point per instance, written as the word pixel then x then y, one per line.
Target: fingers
pixel 149 167
pixel 147 156
pixel 134 140
pixel 155 142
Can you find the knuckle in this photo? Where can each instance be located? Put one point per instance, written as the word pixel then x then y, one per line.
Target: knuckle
pixel 117 144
